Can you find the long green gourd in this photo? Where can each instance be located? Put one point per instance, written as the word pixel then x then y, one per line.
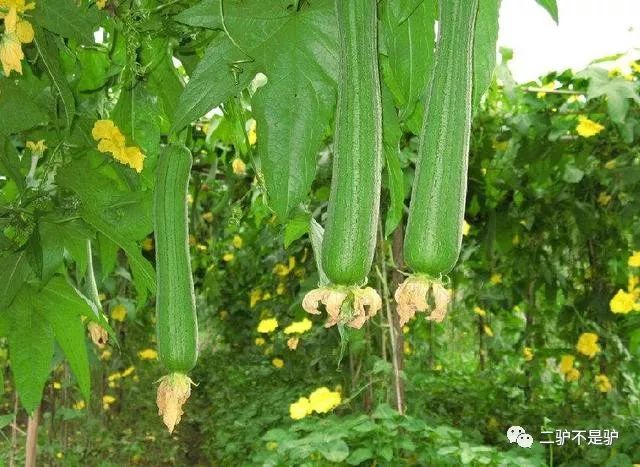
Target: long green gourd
pixel 434 229
pixel 350 233
pixel 176 323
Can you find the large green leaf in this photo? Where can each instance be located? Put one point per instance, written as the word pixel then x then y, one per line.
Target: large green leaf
pixel 619 91
pixel 10 162
pixel 391 134
pixel 205 14
pixel 48 50
pixel 222 73
pixel 297 52
pixel 484 47
pixel 12 97
pixel 551 6
pixel 14 271
pixel 407 44
pixel 65 18
pixel 31 350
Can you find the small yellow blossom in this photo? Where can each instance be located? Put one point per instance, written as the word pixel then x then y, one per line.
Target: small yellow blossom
pixel 547 87
pixel 292 262
pixel 107 400
pixel 496 278
pixel 566 364
pixel 322 400
pixel 622 302
pixel 114 377
pixel 407 348
pixel 238 166
pixel 119 313
pixel 228 257
pixel 588 344
pixel 201 247
pixel 479 311
pixel 101 4
pixel 300 409
pixel 79 405
pixel 57 385
pixel 293 342
pixel 405 329
pixel 110 139
pixel 129 371
pixel 148 354
pixel 37 147
pixel 272 446
pixel 237 241
pixel 299 327
pixel 207 217
pixel 527 353
pixel 438 367
pixel 604 198
pixel 59 455
pixel 634 260
pixel 17 31
pixel 147 244
pixel 105 355
pixel 487 330
pixel 260 341
pixel 254 298
pixel 465 228
pixel 281 270
pixel 588 128
pixel 603 384
pixel 610 164
pixel 267 325
pixel 572 375
pixel 277 362
pixel 251 134
pixel 266 296
pixel 281 289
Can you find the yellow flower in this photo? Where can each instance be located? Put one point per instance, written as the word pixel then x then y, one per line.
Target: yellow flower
pixel 105 355
pixel 37 147
pixel 254 298
pixel 566 364
pixel 465 228
pixel 479 311
pixel 207 217
pixel 277 362
pixel 148 354
pixel 260 341
pixel 79 405
pixel 632 285
pixel 281 289
pixel 527 353
pixel 299 327
pixel 496 278
pixel 114 377
pixel 266 296
pixel 588 128
pixel 147 244
pixel 57 385
pixel 292 343
pixel 487 330
pixel 572 375
pixel 20 5
pixel 292 262
pixel 604 198
pixel 228 257
pixel 299 410
pixel 610 164
pixel 237 241
pixel 634 260
pixel 119 313
pixel 405 329
pixel 16 32
pixel 407 348
pixel 128 371
pixel 438 367
pixel 587 344
pixel 238 166
pixel 281 270
pixel 267 325
pixel 110 139
pixel 101 4
pixel 622 302
pixel 107 400
pixel 322 400
pixel 59 455
pixel 272 446
pixel 252 132
pixel 603 384
pixel 548 87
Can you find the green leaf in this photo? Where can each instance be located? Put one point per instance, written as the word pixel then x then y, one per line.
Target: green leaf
pixel 572 174
pixel 334 451
pixel 619 91
pixel 408 43
pixel 94 68
pixel 13 97
pixel 297 51
pixel 391 134
pixel 49 53
pixel 213 81
pixel 484 47
pixel 205 14
pixel 10 162
pixel 551 7
pixel 296 227
pixel 14 271
pixel 31 351
pixel 5 420
pixel 65 18
pixel 360 455
pixel 316 232
pixel 143 273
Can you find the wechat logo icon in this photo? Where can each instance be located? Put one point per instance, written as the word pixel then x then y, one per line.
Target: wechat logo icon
pixel 516 434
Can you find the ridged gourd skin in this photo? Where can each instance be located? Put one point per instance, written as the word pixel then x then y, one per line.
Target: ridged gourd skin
pixel 434 229
pixel 176 322
pixel 350 232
